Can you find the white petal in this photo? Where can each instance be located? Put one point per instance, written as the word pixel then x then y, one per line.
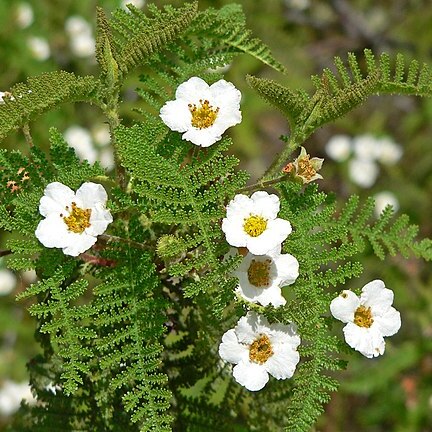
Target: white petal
pixel 231 350
pixel 52 232
pixel 90 194
pixel 344 306
pixel 78 244
pixel 176 115
pixel 265 205
pixel 99 220
pixel 193 89
pixel 246 328
pixel 376 296
pixel 283 362
pixel 202 137
pixel 287 268
pixel 56 197
pixel 251 375
pixel 284 334
pixel 389 323
pixel 225 95
pixel 239 207
pixel 276 232
pixel 271 295
pixel 234 233
pixel 368 341
pixel 226 119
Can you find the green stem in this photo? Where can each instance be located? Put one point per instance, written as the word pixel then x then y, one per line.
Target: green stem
pixel 27 135
pixel 107 238
pixel 262 184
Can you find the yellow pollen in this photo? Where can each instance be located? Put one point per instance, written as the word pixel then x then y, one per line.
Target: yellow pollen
pixel 363 317
pixel 305 168
pixel 260 350
pixel 259 273
pixel 78 219
pixel 255 225
pixel 203 116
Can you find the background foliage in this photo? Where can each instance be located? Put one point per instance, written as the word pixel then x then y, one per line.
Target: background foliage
pixel 304 36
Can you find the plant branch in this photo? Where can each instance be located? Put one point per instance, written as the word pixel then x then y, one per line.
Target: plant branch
pixel 107 238
pixel 27 135
pixel 5 252
pixel 263 184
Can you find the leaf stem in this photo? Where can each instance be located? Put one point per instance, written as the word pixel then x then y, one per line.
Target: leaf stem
pixel 263 184
pixel 108 237
pixel 27 135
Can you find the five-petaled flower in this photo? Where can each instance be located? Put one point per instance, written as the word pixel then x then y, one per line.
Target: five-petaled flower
pixel 262 276
pixel 258 348
pixel 253 223
pixel 369 318
pixel 72 220
pixel 201 111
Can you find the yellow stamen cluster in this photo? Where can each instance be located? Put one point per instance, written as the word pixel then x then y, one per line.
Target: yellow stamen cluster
pixel 203 116
pixel 260 350
pixel 259 273
pixel 363 317
pixel 78 219
pixel 255 225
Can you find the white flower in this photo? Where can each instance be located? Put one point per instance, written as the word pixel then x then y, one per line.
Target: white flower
pixel 80 140
pixel 39 48
pixel 24 15
pixel 253 223
pixel 339 147
pixel 137 3
pixel 72 220
pixel 8 281
pixel 11 395
pixel 203 112
pixel 76 25
pixel 106 158
pixel 363 172
pixel 369 318
pixel 101 134
pixel 383 199
pixel 389 151
pixel 366 147
pixel 262 276
pixel 258 348
pixel 83 45
pixel 4 96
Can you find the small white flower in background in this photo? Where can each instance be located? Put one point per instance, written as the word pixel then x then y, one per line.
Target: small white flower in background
pixel 5 96
pixel 106 158
pixel 83 45
pixel 39 48
pixel 366 147
pixel 101 134
pixel 137 3
pixel 389 152
pixel 8 281
pixel 253 223
pixel 339 148
pixel 202 112
pixel 258 349
pixel 29 276
pixel 369 318
pixel 262 276
pixel 383 199
pixel 80 140
pixel 72 220
pixel 300 5
pixel 11 394
pixel 24 15
pixel 76 25
pixel 362 172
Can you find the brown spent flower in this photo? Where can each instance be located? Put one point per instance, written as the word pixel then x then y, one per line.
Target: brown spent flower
pixel 304 169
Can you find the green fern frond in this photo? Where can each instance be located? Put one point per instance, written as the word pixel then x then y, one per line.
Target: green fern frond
pixel 138 37
pixel 41 94
pixel 63 321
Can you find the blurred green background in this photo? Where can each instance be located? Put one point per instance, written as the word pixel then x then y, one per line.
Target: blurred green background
pixel 382 149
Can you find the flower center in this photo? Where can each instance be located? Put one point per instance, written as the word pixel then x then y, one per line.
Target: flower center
pixel 78 219
pixel 255 225
pixel 203 116
pixel 363 317
pixel 305 168
pixel 259 273
pixel 260 350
